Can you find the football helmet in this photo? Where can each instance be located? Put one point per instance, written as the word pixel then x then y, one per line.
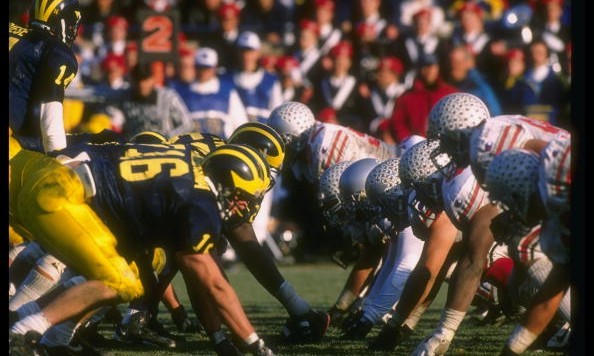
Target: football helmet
pixel 200 143
pixel 292 120
pixel 263 138
pixel 60 18
pixel 351 186
pixel 452 120
pixel 385 191
pixel 418 170
pixel 148 137
pixel 239 176
pixel 512 182
pixel 329 194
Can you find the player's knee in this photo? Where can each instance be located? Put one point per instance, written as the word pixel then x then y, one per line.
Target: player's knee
pixel 125 281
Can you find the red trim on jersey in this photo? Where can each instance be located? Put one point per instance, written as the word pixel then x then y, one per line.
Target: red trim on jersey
pixel 499 271
pixel 561 169
pixel 475 192
pixel 342 146
pixel 525 244
pixel 332 149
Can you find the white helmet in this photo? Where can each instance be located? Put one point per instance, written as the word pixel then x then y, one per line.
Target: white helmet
pixel 512 181
pixel 352 181
pixel 329 195
pixel 418 169
pixel 452 120
pixel 384 189
pixel 291 119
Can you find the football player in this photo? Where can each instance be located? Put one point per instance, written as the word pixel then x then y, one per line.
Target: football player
pixel 388 200
pixel 466 132
pixel 147 196
pixel 532 189
pixel 313 146
pixel 41 65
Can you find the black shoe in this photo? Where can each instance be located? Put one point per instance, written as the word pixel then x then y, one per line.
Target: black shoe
pixel 306 329
pixel 389 337
pixel 357 330
pixel 25 345
pixel 227 348
pixel 183 322
pixel 74 350
pixel 137 331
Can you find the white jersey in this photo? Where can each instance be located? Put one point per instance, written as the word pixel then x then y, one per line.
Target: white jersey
pixel 329 144
pixel 503 132
pixel 462 197
pixel 554 183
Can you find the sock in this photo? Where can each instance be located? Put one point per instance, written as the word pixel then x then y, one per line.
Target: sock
pixel 449 323
pixel 37 322
pixel 520 339
pixel 58 335
pixel 253 337
pixel 294 304
pixel 36 284
pixel 28 309
pixel 415 316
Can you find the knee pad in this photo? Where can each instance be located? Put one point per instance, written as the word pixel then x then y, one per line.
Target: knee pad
pixel 59 187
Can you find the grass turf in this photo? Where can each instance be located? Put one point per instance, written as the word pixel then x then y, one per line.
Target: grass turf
pixel 320 284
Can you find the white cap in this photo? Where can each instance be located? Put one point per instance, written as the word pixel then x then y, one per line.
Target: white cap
pixel 249 40
pixel 206 57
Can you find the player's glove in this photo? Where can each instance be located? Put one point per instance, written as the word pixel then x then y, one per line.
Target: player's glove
pixel 433 345
pixel 138 331
pixel 356 329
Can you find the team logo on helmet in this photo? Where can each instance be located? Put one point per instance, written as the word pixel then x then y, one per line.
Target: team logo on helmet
pixel 452 120
pixel 418 170
pixel 385 191
pixel 512 182
pixel 263 138
pixel 201 143
pixel 291 120
pixel 239 176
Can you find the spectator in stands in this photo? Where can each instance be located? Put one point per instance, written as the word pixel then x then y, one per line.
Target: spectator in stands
pixel 329 34
pixel 223 39
pixel 379 97
pixel 548 86
pixel 338 88
pixel 411 111
pixel 419 42
pixel 512 89
pixel 462 74
pixel 213 104
pixel 547 24
pixel 294 86
pixel 146 107
pixel 308 53
pixel 259 90
pixel 409 8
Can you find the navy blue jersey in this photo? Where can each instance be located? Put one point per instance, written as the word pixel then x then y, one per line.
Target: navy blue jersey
pixel 40 68
pixel 152 195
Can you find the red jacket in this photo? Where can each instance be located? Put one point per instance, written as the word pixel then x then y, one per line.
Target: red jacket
pixel 411 111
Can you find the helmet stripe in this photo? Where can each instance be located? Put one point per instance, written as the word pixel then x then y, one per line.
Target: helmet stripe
pixel 46 12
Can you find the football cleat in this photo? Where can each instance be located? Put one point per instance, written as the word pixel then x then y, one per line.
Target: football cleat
pixel 306 329
pixel 227 348
pixel 183 323
pixel 258 348
pixel 389 337
pixel 24 345
pixel 138 331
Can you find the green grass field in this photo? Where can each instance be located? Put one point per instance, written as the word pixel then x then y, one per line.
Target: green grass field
pixel 320 285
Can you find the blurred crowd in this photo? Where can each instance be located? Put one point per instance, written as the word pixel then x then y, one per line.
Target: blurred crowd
pixel 376 66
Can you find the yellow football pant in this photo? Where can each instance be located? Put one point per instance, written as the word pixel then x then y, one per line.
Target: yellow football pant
pixel 48 199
